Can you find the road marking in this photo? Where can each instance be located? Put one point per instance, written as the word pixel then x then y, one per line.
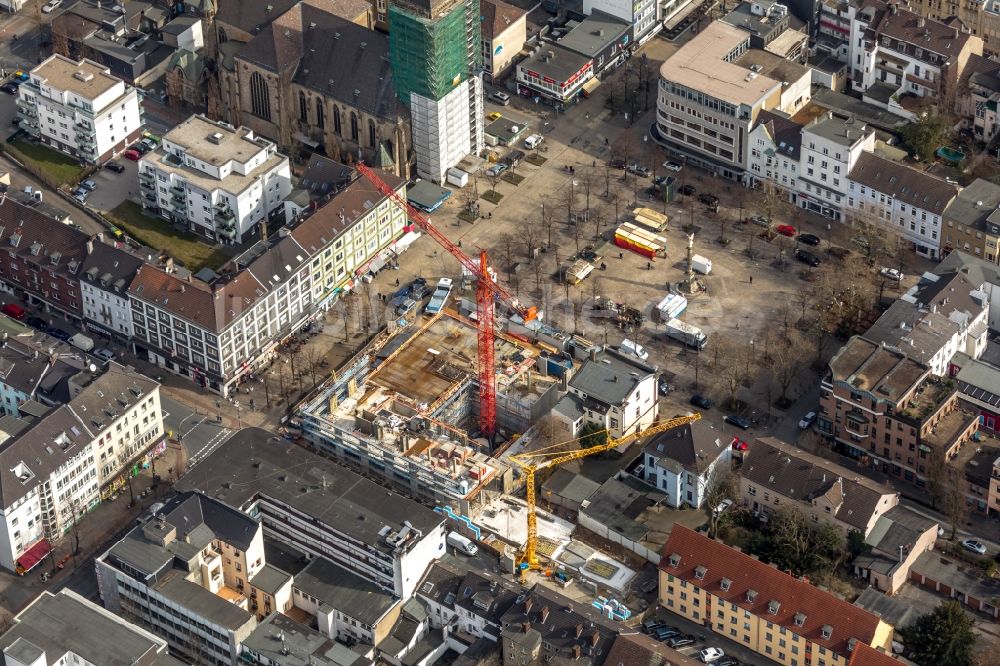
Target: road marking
pixel 188 431
pixel 212 444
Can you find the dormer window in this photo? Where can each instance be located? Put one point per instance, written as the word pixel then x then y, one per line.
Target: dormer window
pixel 675 560
pixel 773 607
pixel 851 642
pixel 751 595
pixel 800 619
pixel 725 584
pixel 699 573
pixel 827 631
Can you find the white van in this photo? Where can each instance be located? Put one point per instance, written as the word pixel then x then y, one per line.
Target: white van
pixel 634 348
pixel 532 141
pixel 462 544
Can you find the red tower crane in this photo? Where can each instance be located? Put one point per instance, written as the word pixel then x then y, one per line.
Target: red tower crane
pixel 488 290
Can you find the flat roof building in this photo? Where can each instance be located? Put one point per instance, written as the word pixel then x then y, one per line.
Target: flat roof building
pixel 279 482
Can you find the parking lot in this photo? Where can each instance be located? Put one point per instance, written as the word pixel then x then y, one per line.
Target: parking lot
pixel 674 627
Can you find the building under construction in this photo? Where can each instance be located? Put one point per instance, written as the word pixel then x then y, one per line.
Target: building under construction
pixel 402 412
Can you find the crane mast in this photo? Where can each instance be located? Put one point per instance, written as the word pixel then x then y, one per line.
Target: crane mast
pixel 488 290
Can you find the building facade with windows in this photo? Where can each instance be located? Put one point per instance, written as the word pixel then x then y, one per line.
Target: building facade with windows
pixel 214 333
pixel 889 412
pixel 185 574
pixel 901 199
pixel 684 462
pixel 971 222
pixel 616 391
pixel 79 108
pixel 831 147
pixel 220 182
pixel 778 616
pixel 105 277
pixel 505 30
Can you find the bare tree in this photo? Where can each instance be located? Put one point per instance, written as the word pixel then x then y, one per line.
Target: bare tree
pixel 597 213
pixel 506 249
pixel 547 224
pixel 586 180
pixel 723 486
pixel 784 365
pixel 569 199
pixel 493 178
pixel 731 365
pixel 874 236
pixel 311 359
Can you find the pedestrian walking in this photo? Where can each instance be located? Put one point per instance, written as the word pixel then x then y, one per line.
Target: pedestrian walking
pixel 621 255
pixel 751 279
pixel 649 266
pixel 397 282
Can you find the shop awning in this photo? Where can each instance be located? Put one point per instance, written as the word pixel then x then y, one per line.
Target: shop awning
pixel 31 557
pixel 591 85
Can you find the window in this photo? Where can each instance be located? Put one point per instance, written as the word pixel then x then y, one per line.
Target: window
pixel 303 108
pixel 320 120
pixel 336 120
pixel 371 133
pixel 260 97
pixel 354 126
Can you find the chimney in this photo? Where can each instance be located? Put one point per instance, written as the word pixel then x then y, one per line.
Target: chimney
pixel 595 638
pixel 525 626
pixel 544 615
pixel 577 651
pixel 579 630
pixel 593 353
pixel 527 605
pixel 90 246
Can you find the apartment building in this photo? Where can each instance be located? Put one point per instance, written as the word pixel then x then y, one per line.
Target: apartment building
pixel 942 315
pixel 684 462
pixel 711 92
pixel 888 411
pixel 79 108
pixel 895 52
pixel 776 474
pixel 185 574
pixel 37 368
pixel 769 25
pixel 896 540
pixel 65 628
pixel 982 18
pixel 505 29
pixel 219 181
pixel 979 95
pixel 971 221
pixel 980 273
pixel 644 16
pixel 778 616
pixel 313 504
pixel 902 199
pixel 775 152
pixel 216 332
pixel 478 613
pixel 42 259
pixel 555 74
pixel 831 148
pixel 105 276
pixel 614 390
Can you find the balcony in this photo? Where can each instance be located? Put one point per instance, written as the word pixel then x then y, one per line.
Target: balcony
pixel 227 232
pixel 177 188
pixel 27 108
pixel 84 131
pixel 224 215
pixel 226 224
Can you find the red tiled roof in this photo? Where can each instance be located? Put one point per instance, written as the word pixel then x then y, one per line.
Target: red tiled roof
pixel 192 300
pixel 747 573
pixel 864 655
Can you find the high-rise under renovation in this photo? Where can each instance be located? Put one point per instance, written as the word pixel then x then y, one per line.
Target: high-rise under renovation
pixel 436 52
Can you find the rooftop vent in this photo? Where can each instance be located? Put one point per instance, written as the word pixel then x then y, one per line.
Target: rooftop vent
pixel 215 138
pixel 81 75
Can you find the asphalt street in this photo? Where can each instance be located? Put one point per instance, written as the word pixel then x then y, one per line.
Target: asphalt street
pixel 200 434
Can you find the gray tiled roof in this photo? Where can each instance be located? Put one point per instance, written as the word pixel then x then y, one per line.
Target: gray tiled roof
pixel 612 378
pixel 344 591
pixel 692 447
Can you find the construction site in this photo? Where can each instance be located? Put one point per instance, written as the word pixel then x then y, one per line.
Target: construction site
pixel 404 411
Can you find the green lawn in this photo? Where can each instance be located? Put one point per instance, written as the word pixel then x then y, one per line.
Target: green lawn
pixel 192 251
pixel 62 168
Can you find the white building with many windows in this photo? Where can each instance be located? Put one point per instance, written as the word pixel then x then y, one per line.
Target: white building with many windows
pixel 685 461
pixel 903 199
pixel 79 108
pixel 216 332
pixel 222 182
pixel 831 146
pixel 56 466
pixel 105 276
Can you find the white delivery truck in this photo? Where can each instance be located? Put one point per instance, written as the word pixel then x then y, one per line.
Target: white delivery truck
pixel 630 347
pixel 457 177
pixel 82 342
pixel 671 307
pixel 692 336
pixel 462 544
pixel 700 264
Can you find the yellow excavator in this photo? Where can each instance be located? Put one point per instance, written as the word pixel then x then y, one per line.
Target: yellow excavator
pixel 551 456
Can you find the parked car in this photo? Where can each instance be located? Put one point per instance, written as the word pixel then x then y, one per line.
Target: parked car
pixel 710 655
pixel 58 333
pixel 533 141
pixel 672 166
pixel 405 307
pixel 651 625
pixel 501 98
pixel 139 147
pixel 37 322
pixel 663 386
pixel 807 258
pixel 639 170
pixel 90 185
pixel 722 507
pixel 974 546
pixel 419 291
pixel 513 158
pixel 808 239
pixel 701 401
pixel 738 421
pixel 14 311
pixel 617 164
pixel 760 221
pixel 891 273
pixel 786 230
pixel 9 88
pixel 80 194
pixel 806 422
pixel 739 444
pixel 708 199
pixel 104 353
pixel 496 169
pixel 51 6
pixel 496 115
pixel 117 167
pixel 688 190
pixel 665 633
pixel 727 661
pixel 680 641
pixel 133 155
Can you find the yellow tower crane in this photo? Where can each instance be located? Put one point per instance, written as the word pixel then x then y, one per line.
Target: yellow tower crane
pixel 532 461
